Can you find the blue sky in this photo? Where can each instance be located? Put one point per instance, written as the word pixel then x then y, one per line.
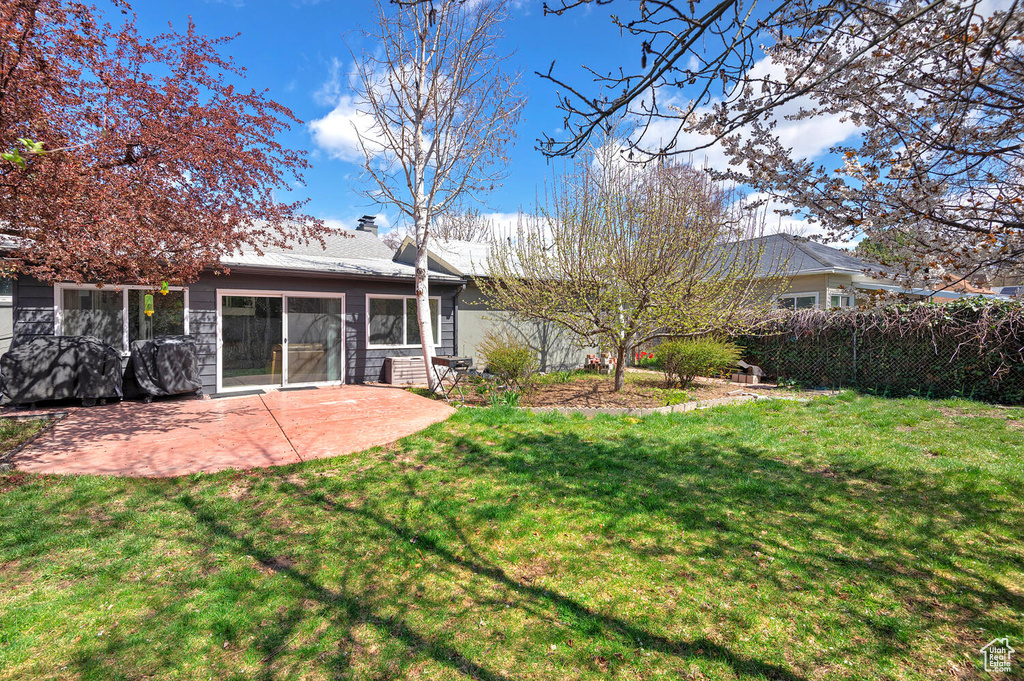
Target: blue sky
pixel 296 49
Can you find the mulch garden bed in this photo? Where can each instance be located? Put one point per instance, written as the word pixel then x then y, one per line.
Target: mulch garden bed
pixel 643 389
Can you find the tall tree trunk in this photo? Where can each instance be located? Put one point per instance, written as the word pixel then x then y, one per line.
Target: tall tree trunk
pixel 620 369
pixel 423 317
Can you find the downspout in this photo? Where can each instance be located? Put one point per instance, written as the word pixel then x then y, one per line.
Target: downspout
pixel 455 319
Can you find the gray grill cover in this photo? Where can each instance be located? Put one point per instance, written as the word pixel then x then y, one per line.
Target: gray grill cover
pixel 60 368
pixel 166 365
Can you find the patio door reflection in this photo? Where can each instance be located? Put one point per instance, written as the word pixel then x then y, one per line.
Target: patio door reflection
pixel 252 341
pixel 314 340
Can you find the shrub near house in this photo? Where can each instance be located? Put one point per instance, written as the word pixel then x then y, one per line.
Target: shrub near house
pixel 686 359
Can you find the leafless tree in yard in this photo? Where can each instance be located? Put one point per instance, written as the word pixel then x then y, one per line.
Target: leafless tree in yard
pixel 431 79
pixel 623 255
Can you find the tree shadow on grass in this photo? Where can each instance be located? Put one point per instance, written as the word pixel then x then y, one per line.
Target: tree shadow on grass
pixel 650 486
pixel 352 608
pixel 732 492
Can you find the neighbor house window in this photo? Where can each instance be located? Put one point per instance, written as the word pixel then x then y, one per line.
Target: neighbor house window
pixel 118 316
pixel 391 321
pixel 798 301
pixel 840 300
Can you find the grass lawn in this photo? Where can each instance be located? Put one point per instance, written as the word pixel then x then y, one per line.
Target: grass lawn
pixel 852 537
pixel 14 432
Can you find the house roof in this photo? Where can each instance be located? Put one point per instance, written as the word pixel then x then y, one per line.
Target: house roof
pixel 347 243
pixel 350 252
pixel 802 256
pixel 465 258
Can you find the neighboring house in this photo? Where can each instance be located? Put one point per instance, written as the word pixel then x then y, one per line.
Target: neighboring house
pixel 556 346
pixel 823 277
pixel 312 315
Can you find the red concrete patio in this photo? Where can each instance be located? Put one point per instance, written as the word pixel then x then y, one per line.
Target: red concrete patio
pixel 179 437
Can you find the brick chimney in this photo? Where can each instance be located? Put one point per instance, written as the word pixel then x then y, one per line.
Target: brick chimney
pixel 367 224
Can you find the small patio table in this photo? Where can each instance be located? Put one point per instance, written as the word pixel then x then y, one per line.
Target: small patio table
pixel 451 371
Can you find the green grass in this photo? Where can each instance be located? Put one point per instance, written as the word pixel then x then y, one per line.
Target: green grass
pixel 14 432
pixel 851 537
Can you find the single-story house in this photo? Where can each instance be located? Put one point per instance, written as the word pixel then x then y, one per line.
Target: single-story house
pixel 820 276
pixel 321 315
pixel 816 275
pixel 313 315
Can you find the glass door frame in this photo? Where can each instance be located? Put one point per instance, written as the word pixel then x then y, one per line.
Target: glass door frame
pixel 284 296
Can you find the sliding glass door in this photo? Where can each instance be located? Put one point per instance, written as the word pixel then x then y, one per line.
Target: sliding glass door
pixel 314 340
pixel 252 342
pixel 271 339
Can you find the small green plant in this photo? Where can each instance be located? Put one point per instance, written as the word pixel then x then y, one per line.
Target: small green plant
pixel 563 376
pixel 673 397
pixel 683 360
pixel 507 398
pixel 511 360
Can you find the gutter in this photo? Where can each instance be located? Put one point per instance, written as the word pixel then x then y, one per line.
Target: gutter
pixel 928 292
pixel 265 269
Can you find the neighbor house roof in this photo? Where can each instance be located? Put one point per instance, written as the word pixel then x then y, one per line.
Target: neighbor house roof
pixel 800 256
pixel 349 252
pixel 788 255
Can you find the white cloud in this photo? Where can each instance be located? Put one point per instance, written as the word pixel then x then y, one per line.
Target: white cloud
pixel 338 132
pixel 808 137
pixel 343 132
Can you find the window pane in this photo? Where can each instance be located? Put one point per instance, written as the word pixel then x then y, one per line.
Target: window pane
pixel 386 319
pixel 786 303
pixel 413 333
pixel 168 315
pixel 435 318
pixel 93 313
pixel 314 339
pixel 837 301
pixel 252 342
pixel 804 302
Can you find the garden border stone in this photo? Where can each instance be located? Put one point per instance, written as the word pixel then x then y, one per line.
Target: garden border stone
pixel 647 411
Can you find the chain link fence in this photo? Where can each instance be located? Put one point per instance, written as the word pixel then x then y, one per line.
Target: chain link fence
pixel 934 351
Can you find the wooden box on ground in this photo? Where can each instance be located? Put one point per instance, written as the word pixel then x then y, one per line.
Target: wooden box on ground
pixel 404 370
pixel 745 378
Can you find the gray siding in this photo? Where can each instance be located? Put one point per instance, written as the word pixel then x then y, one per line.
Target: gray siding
pixel 557 348
pixel 34 315
pixel 33 308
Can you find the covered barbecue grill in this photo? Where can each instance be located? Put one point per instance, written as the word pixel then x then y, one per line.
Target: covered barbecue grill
pixel 166 365
pixel 46 368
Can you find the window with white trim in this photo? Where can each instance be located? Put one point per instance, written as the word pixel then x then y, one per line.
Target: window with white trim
pixel 840 300
pixel 118 316
pixel 798 301
pixel 391 321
